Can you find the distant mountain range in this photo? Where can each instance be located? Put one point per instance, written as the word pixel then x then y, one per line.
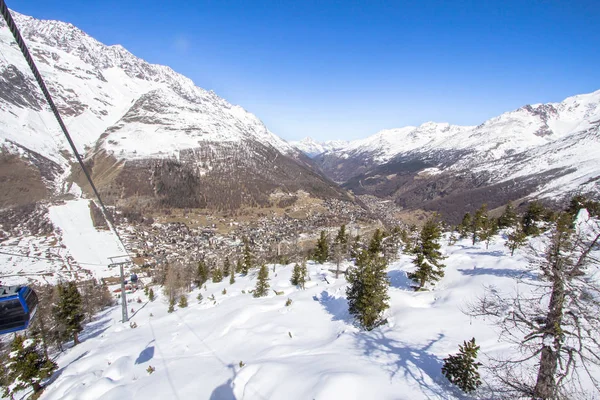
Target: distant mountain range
pixel 150 136
pixel 154 139
pixel 545 151
pixel 312 148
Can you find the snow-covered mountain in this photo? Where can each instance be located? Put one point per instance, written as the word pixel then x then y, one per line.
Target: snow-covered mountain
pixel 312 148
pixel 124 112
pixel 541 150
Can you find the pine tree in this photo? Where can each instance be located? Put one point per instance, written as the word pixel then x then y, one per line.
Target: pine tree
pixel 183 301
pixel 342 239
pixel 367 292
pixel 356 247
pixel 217 275
pixel 202 273
pixel 478 223
pixel 340 248
pixel 262 283
pixel 375 244
pixel 248 258
pixel 151 294
pixel 171 305
pixel 464 228
pixel 427 255
pixel 239 266
pixel 231 274
pixel 322 250
pixel 303 275
pixel 295 275
pixel 508 217
pixel 226 267
pixel 516 239
pixel 68 310
pixel 27 366
pixel 461 369
pixel 488 231
pixel 535 213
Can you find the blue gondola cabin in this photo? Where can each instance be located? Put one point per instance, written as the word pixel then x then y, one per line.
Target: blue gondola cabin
pixel 18 305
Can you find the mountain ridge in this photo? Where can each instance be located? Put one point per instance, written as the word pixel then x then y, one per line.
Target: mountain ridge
pixel 121 108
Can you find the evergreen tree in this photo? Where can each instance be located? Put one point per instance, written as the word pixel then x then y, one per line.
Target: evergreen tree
pixel 303 275
pixel 183 301
pixel 479 222
pixel 508 217
pixel 461 369
pixel 295 275
pixel 226 267
pixel 340 248
pixel 578 202
pixel 375 244
pixel 171 305
pixel 516 239
pixel 239 266
pixel 299 275
pixel 342 239
pixel 321 253
pixel 356 247
pixel 535 213
pixel 248 258
pixel 427 255
pixel 464 228
pixel 262 283
pixel 68 310
pixel 231 274
pixel 27 366
pixel 489 230
pixel 202 273
pixel 391 244
pixel 217 275
pixel 367 293
pixel 151 294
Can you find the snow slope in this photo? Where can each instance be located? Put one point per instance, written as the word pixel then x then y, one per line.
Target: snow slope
pixel 312 148
pixel 95 85
pixel 309 350
pixel 75 250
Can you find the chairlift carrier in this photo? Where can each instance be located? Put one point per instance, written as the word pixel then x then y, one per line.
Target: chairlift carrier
pixel 18 305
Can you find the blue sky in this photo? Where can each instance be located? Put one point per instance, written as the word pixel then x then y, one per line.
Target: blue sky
pixel 346 69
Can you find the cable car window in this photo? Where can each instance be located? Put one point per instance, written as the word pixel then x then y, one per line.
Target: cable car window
pixel 12 313
pixel 31 300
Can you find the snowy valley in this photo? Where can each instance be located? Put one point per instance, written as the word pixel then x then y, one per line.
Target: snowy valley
pixel 261 269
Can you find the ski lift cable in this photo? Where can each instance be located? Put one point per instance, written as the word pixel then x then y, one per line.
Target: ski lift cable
pixel 59 259
pixel 25 51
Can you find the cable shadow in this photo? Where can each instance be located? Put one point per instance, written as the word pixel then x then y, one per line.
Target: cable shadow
pixel 138 310
pixel 59 372
pixel 500 272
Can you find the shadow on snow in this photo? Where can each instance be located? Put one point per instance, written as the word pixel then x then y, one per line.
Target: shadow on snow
pixel 400 280
pixel 225 391
pixel 146 355
pixel 500 272
pixel 413 362
pixel 336 306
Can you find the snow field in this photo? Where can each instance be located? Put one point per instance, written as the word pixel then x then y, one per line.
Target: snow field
pixel 197 350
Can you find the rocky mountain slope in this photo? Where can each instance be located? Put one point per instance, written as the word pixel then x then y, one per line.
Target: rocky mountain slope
pixel 150 135
pixel 543 150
